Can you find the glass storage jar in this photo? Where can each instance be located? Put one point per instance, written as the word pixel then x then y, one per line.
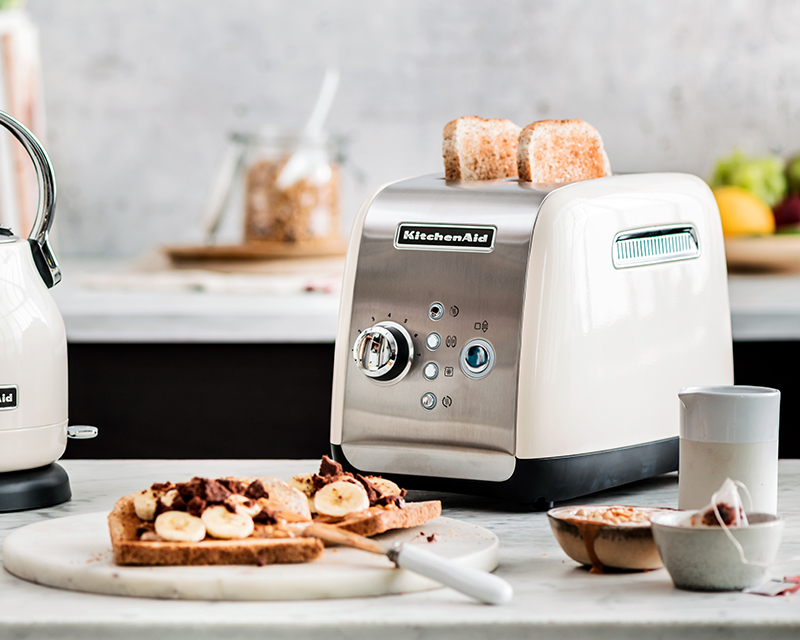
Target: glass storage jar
pixel 290 188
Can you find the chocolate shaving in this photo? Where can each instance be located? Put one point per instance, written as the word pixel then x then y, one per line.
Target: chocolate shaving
pixel 196 506
pixel 177 504
pixel 265 516
pixel 233 485
pixel 431 538
pixel 321 481
pixel 385 501
pixel 216 492
pixel 195 487
pixel 209 490
pixel 256 490
pixel 330 467
pixel 372 491
pixel 162 487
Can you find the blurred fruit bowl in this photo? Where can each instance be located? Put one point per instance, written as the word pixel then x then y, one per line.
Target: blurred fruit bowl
pixel 759 207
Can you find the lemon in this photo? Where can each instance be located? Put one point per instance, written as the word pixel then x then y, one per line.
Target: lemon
pixel 743 213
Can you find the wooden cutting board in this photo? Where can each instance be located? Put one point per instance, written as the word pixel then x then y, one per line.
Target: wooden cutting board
pixel 75 553
pixel 779 252
pixel 256 251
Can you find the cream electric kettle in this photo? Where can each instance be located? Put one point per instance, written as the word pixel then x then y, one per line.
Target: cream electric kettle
pixel 33 354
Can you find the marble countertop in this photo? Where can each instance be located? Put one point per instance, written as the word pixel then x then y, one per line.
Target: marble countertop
pixel 295 301
pixel 554 598
pixel 765 307
pixel 298 301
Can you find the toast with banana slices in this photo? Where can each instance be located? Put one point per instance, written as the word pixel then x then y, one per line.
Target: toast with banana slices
pixel 366 505
pixel 255 520
pixel 213 521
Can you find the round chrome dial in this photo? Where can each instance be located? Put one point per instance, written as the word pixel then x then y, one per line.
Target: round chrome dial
pixel 384 352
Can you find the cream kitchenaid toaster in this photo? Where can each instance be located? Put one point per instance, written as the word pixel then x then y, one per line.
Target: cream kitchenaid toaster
pixel 33 355
pixel 513 340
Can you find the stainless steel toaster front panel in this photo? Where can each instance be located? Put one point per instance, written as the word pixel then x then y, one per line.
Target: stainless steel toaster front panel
pixel 482 294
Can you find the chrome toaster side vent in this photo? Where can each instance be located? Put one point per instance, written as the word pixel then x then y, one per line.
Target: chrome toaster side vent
pixel 655 245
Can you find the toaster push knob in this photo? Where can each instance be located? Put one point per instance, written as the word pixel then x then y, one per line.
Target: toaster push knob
pixel 384 352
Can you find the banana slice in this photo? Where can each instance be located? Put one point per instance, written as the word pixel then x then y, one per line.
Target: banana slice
pixel 284 497
pixel 179 526
pixel 384 486
pixel 150 536
pixel 241 503
pixel 145 503
pixel 221 523
pixel 340 498
pixel 305 484
pixel 169 497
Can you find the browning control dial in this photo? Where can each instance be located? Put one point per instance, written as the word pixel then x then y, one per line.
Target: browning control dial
pixel 384 352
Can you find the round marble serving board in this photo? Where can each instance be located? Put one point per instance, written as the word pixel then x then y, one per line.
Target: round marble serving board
pixel 75 553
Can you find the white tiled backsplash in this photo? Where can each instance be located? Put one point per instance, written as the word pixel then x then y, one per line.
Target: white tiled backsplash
pixel 140 95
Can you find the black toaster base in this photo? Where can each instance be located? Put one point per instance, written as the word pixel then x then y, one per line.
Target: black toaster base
pixel 540 482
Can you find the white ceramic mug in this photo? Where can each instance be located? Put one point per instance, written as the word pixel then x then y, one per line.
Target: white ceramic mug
pixel 729 432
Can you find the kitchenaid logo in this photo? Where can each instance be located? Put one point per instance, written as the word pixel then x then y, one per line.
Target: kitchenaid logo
pixel 445 237
pixel 8 398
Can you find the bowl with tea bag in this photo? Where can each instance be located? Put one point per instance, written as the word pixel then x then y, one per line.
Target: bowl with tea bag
pixel 720 547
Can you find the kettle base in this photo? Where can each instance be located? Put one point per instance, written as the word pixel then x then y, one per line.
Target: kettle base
pixel 34 488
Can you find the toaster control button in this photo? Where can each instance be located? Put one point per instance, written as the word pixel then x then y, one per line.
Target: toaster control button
pixel 436 311
pixel 428 401
pixel 477 358
pixel 430 371
pixel 384 352
pixel 432 341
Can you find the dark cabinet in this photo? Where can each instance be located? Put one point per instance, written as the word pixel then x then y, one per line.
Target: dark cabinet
pixel 272 400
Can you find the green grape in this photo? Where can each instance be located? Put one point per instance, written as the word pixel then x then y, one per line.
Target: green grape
pixel 764 177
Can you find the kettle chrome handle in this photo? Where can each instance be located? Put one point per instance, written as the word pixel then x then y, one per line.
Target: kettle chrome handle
pixel 43 256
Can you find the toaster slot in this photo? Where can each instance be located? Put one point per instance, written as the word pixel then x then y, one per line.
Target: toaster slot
pixel 654 245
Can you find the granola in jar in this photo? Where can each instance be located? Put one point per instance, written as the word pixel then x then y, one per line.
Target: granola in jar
pixel 304 209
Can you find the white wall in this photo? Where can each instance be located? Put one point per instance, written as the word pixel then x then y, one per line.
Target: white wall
pixel 140 94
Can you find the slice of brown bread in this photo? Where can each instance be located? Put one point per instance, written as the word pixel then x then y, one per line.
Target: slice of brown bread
pixel 124 524
pixel 479 149
pixel 558 151
pixel 377 520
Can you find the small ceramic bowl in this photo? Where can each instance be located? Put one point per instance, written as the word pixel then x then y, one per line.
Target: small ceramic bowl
pixel 619 546
pixel 705 559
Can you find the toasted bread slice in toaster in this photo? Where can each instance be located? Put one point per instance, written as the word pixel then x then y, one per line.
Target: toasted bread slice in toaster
pixel 478 149
pixel 559 151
